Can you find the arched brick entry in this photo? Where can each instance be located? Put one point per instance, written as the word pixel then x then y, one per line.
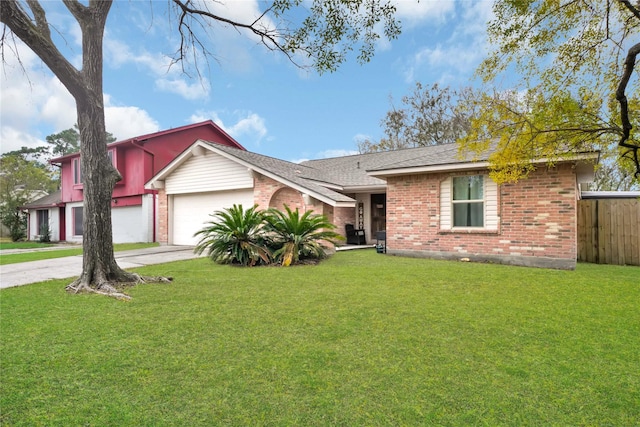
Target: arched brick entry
pixel 287 196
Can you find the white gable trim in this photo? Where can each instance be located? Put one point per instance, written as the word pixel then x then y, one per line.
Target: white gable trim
pixel 196 149
pixel 204 173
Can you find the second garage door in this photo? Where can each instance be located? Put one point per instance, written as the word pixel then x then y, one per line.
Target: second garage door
pixel 192 211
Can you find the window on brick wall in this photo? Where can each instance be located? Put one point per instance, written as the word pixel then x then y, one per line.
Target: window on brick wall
pixel 468 202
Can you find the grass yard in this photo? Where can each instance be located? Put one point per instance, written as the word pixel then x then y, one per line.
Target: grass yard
pixel 361 339
pixel 59 253
pixel 8 244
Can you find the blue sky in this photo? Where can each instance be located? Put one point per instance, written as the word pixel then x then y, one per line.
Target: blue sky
pixel 259 97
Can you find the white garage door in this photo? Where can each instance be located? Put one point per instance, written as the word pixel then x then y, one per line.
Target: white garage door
pixel 192 211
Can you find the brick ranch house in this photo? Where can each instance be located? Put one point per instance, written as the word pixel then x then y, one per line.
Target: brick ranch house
pixel 431 202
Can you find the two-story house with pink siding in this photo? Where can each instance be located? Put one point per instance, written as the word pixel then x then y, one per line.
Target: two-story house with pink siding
pixel 134 208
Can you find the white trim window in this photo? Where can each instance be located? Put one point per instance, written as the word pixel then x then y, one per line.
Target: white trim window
pixel 469 202
pixel 42 220
pixel 78 214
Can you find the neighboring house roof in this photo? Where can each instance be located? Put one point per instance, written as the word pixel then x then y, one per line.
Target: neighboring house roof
pixel 51 200
pixel 141 139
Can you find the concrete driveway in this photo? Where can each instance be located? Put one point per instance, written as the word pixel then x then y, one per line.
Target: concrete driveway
pixel 61 268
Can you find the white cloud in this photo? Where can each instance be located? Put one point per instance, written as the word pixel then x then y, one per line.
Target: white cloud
pixel 30 96
pixel 59 107
pixel 413 13
pixel 128 121
pixel 461 52
pixel 248 125
pixel 193 91
pixel 118 54
pixel 14 139
pixel 167 78
pixel 34 104
pixel 253 125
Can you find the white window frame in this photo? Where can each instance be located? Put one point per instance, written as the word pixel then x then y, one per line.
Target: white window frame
pixel 490 192
pixel 468 202
pixel 74 211
pixel 42 218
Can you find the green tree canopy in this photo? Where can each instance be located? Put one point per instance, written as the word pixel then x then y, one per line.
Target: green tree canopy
pixel 68 141
pixel 574 61
pixel 21 181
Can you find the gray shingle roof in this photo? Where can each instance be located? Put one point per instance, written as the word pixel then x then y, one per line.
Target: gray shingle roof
pixel 292 172
pixel 352 171
pixel 53 199
pixel 349 172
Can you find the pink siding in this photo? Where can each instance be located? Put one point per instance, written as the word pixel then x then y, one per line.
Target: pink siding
pixel 139 159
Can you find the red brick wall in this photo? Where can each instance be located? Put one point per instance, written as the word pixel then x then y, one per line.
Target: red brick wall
pixel 270 193
pixel 537 221
pixel 344 216
pixel 263 190
pixel 163 218
pixel 287 196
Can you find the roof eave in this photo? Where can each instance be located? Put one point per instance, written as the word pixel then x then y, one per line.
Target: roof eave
pixel 451 167
pixel 365 188
pixel 428 169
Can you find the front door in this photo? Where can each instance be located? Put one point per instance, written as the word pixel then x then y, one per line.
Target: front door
pixel 378 213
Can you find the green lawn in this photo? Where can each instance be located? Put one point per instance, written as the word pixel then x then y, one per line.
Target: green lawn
pixel 8 244
pixel 59 253
pixel 361 339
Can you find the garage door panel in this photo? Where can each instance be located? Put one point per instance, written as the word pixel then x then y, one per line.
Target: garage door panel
pixel 192 211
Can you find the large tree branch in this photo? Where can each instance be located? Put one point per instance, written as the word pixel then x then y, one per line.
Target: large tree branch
pixel 269 38
pixel 39 40
pixel 629 65
pixel 633 9
pixel 40 17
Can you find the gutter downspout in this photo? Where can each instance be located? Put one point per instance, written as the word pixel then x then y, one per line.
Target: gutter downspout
pixel 135 143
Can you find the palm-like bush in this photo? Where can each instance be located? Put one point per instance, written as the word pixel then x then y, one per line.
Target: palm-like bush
pixel 299 236
pixel 235 236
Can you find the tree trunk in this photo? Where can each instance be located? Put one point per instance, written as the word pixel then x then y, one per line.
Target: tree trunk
pixel 100 272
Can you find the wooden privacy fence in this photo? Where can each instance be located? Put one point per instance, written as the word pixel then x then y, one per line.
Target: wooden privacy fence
pixel 609 231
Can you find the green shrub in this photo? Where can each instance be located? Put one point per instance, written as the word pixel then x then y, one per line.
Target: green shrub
pixel 45 233
pixel 256 237
pixel 297 237
pixel 235 236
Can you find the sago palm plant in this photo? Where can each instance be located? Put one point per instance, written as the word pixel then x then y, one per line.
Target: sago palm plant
pixel 235 236
pixel 299 236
